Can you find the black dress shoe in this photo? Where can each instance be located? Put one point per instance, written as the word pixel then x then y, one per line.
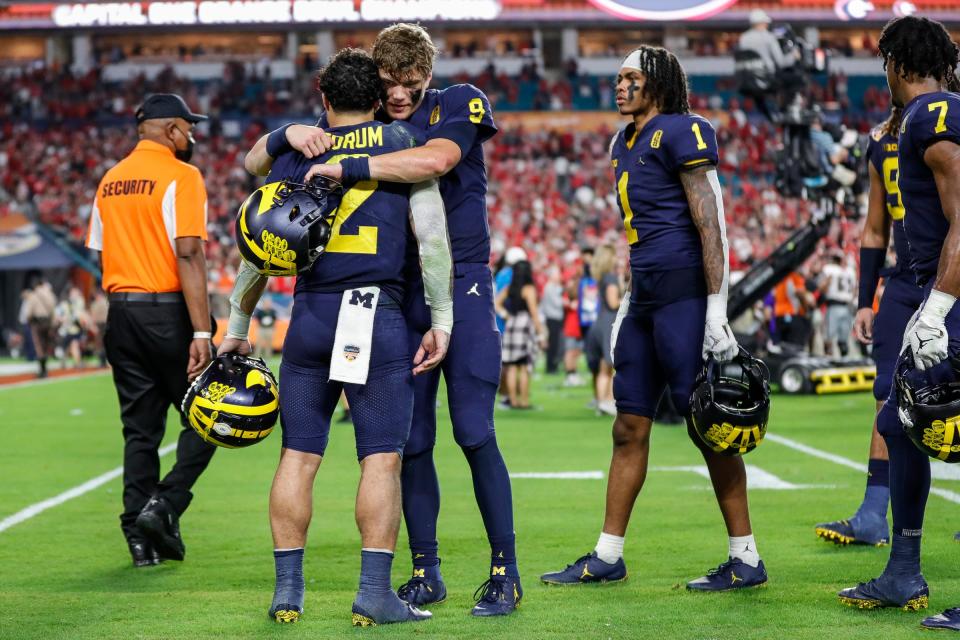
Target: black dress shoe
pixel 160 524
pixel 143 553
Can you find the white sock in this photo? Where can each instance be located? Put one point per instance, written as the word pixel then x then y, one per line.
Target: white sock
pixel 609 548
pixel 744 548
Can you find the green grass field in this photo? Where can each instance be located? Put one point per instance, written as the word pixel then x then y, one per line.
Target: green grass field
pixel 66 573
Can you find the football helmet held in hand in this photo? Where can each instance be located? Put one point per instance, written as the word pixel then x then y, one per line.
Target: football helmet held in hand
pixel 730 404
pixel 930 406
pixel 283 227
pixel 234 402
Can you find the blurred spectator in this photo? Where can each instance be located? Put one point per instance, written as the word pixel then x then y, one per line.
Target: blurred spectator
pixel 72 321
pixel 266 317
pixel 523 334
pixel 553 312
pixel 98 319
pixel 838 288
pixel 603 269
pixel 41 303
pixel 792 303
pixel 572 336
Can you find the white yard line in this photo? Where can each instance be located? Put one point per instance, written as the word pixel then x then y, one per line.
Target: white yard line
pixel 757 478
pixel 939 470
pixel 560 475
pixel 69 494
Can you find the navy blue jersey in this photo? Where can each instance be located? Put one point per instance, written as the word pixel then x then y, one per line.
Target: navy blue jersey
pixel 928 119
pixel 882 154
pixel 464 189
pixel 371 230
pixel 656 215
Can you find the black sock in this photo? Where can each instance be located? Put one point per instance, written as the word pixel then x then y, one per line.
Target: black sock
pixel 421 507
pixel 491 484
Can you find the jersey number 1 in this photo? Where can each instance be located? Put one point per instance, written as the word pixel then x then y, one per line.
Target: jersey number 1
pixel 701 145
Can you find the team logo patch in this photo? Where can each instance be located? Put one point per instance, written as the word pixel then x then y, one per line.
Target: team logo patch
pixel 657 137
pixel 350 352
pixel 435 115
pixel 662 9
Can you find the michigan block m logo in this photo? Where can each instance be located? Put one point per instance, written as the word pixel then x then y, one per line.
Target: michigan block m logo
pixel 358 298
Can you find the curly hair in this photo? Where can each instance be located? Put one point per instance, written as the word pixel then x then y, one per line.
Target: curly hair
pixel 666 80
pixel 350 81
pixel 921 47
pixel 891 126
pixel 404 48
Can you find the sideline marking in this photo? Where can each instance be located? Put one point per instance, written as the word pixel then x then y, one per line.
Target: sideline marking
pixel 69 494
pixel 51 380
pixel 560 475
pixel 938 471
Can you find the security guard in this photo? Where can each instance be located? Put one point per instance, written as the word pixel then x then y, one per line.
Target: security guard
pixel 149 223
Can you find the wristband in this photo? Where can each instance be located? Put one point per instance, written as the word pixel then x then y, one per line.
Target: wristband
pixel 717 307
pixel 871 262
pixel 202 335
pixel 277 142
pixel 355 170
pixel 938 305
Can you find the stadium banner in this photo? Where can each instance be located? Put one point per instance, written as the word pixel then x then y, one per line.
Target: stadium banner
pixel 23 247
pixel 209 13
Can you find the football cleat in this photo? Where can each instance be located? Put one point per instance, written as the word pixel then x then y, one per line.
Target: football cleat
pixel 411 614
pixel 498 596
pixel 731 575
pixel 949 620
pixel 160 524
pixel 423 589
pixel 588 569
pixel 910 595
pixel 143 553
pixel 868 529
pixel 286 613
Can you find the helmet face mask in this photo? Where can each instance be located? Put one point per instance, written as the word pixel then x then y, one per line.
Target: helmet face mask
pixel 930 407
pixel 729 411
pixel 282 228
pixel 234 403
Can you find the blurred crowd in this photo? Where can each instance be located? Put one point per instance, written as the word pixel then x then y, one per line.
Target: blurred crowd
pixel 550 195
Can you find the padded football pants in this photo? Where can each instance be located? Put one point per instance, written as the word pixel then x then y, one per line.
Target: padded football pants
pixel 147 346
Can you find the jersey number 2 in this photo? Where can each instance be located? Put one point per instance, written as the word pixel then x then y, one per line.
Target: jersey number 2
pixel 365 240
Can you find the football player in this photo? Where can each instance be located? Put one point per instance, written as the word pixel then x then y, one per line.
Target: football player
pixel 457 121
pixel 920 59
pixel 676 314
pixel 347 309
pixel 901 298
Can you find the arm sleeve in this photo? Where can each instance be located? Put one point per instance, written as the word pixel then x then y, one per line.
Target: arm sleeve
pixel 191 206
pixel 95 231
pixel 429 221
pixel 874 155
pixel 466 103
pixel 691 143
pixel 238 326
pixel 720 298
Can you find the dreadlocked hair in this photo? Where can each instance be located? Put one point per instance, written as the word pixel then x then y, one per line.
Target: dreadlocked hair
pixel 666 81
pixel 892 124
pixel 921 47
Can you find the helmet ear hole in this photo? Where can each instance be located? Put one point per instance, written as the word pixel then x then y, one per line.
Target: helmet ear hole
pixel 294 212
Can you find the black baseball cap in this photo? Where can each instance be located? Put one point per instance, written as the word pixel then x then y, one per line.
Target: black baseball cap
pixel 166 105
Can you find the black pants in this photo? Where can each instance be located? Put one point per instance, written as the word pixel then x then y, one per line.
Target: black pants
pixel 554 344
pixel 147 346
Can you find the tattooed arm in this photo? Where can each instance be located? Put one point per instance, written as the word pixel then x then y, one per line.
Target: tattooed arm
pixel 706 207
